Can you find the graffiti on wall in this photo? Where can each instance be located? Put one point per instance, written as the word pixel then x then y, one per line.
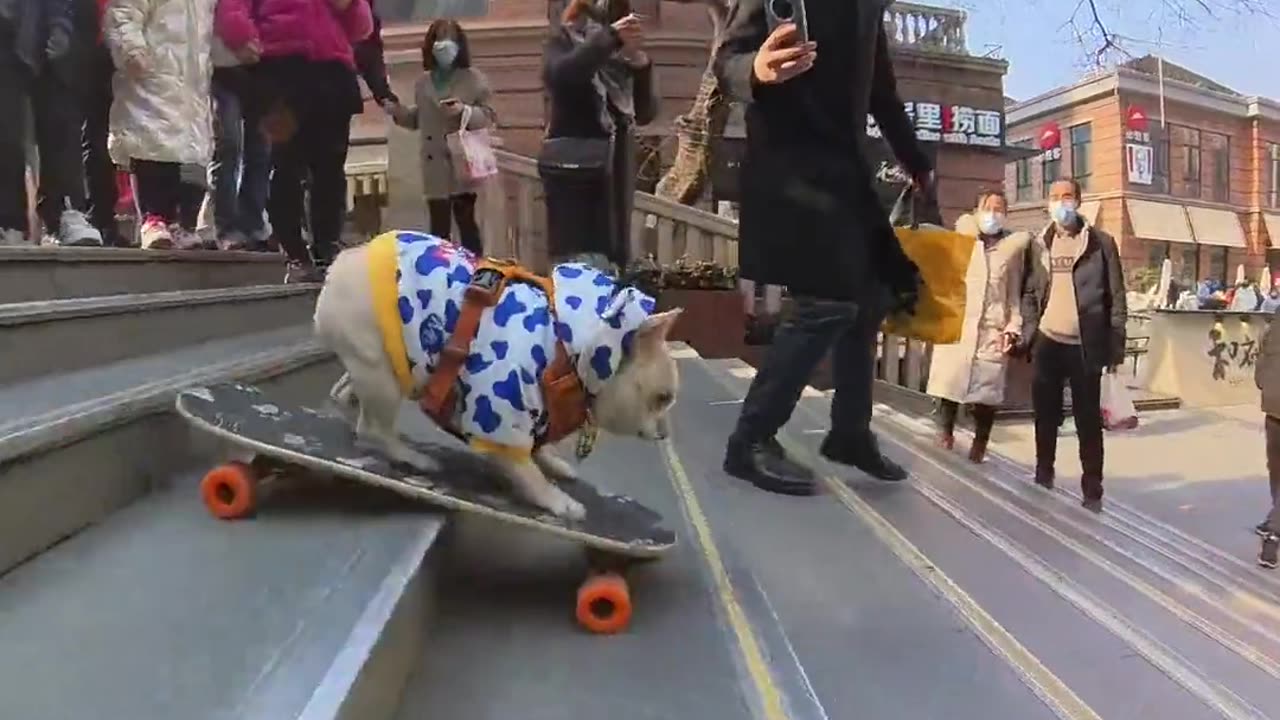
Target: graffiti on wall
pixel 1233 352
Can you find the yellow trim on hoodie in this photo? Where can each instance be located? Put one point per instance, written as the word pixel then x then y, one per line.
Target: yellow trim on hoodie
pixel 383 263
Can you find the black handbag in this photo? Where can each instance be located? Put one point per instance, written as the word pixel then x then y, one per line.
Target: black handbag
pixel 575 156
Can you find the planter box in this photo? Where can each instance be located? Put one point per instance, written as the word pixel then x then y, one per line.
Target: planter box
pixel 713 322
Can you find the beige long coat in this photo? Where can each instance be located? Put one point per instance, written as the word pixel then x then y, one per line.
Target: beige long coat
pixel 433 125
pixel 973 369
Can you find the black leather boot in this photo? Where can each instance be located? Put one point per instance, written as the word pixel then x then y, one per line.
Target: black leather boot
pixel 863 454
pixel 765 464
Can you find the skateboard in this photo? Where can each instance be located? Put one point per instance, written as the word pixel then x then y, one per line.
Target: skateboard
pixel 289 441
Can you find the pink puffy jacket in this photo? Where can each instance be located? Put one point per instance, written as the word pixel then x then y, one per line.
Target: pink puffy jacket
pixel 309 28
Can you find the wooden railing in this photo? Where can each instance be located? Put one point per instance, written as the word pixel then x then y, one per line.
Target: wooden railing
pixel 514 225
pixel 664 229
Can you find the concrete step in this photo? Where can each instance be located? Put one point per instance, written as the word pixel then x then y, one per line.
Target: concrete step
pixel 44 337
pixel 164 612
pixel 76 446
pixel 52 273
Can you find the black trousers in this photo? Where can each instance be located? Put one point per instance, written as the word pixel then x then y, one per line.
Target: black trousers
pixel 317 152
pixel 984 417
pixel 1273 470
pixel 99 170
pixel 807 331
pixel 56 110
pixel 162 193
pixel 443 211
pixel 1054 365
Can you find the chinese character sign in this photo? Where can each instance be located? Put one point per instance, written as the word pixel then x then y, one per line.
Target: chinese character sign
pixel 951 124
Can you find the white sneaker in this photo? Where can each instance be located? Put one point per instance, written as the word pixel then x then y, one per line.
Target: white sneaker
pixel 155 233
pixel 184 239
pixel 74 229
pixel 13 237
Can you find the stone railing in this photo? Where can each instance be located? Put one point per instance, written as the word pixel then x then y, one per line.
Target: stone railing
pixel 514 225
pixel 924 27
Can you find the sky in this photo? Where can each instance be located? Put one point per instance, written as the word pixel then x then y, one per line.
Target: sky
pixel 1036 38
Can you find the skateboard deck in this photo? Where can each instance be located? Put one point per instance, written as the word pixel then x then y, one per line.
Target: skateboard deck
pixel 617 529
pixel 466 481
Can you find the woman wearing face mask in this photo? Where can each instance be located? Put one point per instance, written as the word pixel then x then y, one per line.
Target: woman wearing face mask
pixel 972 371
pixel 1073 324
pixel 449 91
pixel 600 82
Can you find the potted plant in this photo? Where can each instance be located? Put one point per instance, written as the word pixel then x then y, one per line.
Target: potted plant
pixel 712 320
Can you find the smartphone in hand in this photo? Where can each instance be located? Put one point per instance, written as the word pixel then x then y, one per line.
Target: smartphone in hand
pixel 781 12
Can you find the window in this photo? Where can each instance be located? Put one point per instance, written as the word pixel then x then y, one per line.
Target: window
pixel 1052 168
pixel 1184 144
pixel 1022 181
pixel 1160 161
pixel 1081 140
pixel 1273 182
pixel 1217 150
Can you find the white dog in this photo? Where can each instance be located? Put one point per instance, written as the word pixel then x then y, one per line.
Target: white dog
pixel 389 308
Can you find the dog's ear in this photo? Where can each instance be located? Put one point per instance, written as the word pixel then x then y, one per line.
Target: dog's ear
pixel 655 329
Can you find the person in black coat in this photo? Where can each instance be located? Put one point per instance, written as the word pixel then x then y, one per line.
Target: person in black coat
pixel 811 220
pixel 371 62
pixel 1073 327
pixel 44 47
pixel 600 83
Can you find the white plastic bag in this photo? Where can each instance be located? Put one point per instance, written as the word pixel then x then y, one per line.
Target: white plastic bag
pixel 1118 412
pixel 472 153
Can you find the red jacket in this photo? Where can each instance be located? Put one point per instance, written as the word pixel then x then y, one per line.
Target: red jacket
pixel 102 13
pixel 295 27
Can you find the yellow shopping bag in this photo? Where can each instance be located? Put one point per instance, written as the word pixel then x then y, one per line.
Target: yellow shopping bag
pixel 943 258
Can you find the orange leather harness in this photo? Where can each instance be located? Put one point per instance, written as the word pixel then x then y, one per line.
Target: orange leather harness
pixel 563 395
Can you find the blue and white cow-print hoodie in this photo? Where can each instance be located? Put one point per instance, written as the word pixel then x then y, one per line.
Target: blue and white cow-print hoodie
pixel 500 400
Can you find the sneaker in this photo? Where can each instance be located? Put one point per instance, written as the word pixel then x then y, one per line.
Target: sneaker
pixel 75 230
pixel 1270 546
pixel 13 237
pixel 234 240
pixel 1262 529
pixel 184 239
pixel 298 272
pixel 155 233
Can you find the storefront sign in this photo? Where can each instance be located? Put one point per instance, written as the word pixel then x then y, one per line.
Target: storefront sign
pixel 1139 159
pixel 1050 141
pixel 951 124
pixel 1138 154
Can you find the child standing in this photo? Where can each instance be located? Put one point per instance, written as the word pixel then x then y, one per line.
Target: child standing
pixel 449 91
pixel 1266 373
pixel 161 119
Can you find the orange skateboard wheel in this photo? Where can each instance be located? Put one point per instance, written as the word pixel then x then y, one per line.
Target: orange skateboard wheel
pixel 604 603
pixel 230 490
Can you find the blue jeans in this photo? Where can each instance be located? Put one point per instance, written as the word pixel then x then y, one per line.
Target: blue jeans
pixel 241 167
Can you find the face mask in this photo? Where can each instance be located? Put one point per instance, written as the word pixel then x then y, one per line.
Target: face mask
pixel 990 223
pixel 445 52
pixel 1063 211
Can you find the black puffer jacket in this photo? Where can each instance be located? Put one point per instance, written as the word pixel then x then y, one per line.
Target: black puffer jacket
pixel 1100 295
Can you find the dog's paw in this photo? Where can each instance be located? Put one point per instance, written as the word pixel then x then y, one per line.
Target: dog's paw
pixel 565 507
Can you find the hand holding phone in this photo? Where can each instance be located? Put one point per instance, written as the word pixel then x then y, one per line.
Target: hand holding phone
pixel 630 30
pixel 783 56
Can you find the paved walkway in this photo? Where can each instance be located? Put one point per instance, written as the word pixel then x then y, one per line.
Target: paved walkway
pixel 1202 471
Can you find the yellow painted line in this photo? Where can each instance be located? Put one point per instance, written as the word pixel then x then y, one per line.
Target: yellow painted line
pixel 753 657
pixel 1051 690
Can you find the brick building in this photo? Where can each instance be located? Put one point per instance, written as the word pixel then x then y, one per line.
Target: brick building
pixel 957 91
pixel 1199 188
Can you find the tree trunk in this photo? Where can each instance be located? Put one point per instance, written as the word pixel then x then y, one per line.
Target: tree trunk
pixel 687 179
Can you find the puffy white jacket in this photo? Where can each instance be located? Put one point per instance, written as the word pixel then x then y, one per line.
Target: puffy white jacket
pixel 164 113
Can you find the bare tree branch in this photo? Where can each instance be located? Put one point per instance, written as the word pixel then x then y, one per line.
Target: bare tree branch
pixel 1091 24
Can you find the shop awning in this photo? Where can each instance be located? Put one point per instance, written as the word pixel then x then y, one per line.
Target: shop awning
pixel 1159 221
pixel 1089 209
pixel 1212 226
pixel 1272 223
